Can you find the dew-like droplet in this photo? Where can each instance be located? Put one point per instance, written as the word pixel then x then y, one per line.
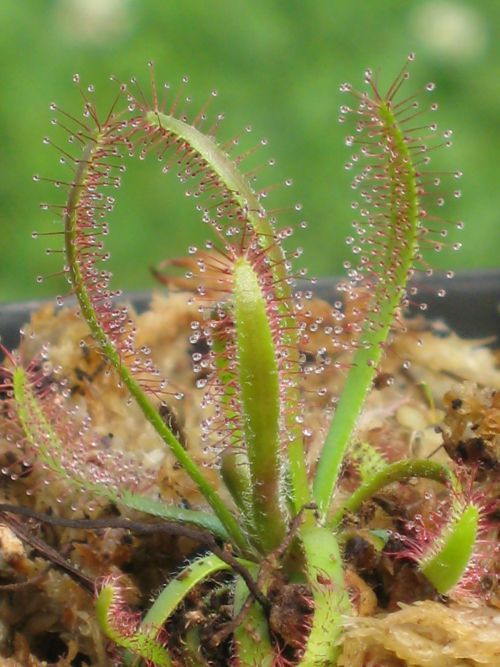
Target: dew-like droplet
pixel 76 78
pixel 430 86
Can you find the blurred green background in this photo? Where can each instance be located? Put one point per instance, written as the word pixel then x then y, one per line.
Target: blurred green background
pixel 277 65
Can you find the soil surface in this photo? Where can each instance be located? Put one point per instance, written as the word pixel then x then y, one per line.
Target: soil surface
pixel 444 406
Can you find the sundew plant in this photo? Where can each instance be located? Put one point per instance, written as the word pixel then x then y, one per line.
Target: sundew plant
pixel 279 521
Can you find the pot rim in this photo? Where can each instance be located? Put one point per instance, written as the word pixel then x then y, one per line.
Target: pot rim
pixel 470 307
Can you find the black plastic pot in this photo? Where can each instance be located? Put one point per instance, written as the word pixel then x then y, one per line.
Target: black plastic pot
pixel 471 306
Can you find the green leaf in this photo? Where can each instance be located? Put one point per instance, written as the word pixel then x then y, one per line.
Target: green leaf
pixel 177 589
pixel 118 624
pixel 368 460
pixel 42 434
pixel 234 460
pixel 390 230
pixel 331 602
pixel 227 174
pixel 191 650
pixel 253 645
pixel 452 551
pixel 394 472
pixel 258 379
pixel 77 215
pixel 172 512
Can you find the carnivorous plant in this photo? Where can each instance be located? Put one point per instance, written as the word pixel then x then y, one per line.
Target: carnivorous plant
pixel 273 520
